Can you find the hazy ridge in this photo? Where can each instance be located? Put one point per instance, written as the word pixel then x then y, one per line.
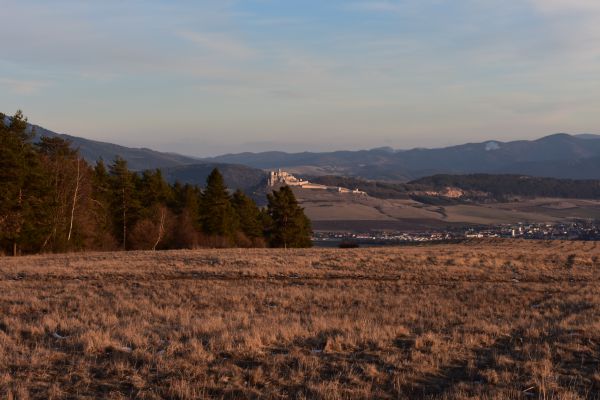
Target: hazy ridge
pixel 556 156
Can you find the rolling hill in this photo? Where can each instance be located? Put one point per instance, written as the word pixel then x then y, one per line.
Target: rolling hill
pixel 138 159
pixel 250 180
pixel 558 156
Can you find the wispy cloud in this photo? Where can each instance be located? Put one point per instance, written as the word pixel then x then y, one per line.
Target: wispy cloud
pixel 576 23
pixel 219 43
pixel 567 5
pixel 23 87
pixel 377 6
pixel 268 68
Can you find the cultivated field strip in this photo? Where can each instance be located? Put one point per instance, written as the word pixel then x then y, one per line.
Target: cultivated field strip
pixel 495 319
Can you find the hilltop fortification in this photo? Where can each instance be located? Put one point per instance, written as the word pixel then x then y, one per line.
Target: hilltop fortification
pixel 280 177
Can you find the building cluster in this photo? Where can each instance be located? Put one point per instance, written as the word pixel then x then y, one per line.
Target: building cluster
pixel 280 177
pixel 375 238
pixel 578 230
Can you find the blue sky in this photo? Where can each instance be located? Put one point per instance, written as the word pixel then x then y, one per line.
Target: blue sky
pixel 209 77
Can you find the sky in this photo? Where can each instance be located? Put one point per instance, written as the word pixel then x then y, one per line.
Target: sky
pixel 210 77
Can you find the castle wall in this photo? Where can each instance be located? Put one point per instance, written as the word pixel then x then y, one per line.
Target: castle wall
pixel 285 178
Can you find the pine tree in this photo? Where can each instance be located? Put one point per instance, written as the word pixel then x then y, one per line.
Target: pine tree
pixel 290 227
pixel 100 207
pixel 154 227
pixel 24 189
pixel 217 215
pixel 154 190
pixel 125 203
pixel 186 199
pixel 248 215
pixel 12 176
pixel 186 205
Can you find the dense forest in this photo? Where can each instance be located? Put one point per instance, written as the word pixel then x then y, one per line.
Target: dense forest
pixel 51 200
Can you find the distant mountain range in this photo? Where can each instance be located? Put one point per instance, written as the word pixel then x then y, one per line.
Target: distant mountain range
pixel 138 159
pixel 557 156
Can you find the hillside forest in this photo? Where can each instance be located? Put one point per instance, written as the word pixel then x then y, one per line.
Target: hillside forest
pixel 52 200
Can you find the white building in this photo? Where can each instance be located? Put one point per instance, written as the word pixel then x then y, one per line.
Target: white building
pixel 285 178
pixel 280 177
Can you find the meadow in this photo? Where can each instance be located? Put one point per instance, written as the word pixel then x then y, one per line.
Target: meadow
pixel 479 320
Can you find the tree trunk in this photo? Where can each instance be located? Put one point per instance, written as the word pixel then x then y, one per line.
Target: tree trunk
pixel 74 201
pixel 124 222
pixel 161 228
pixel 19 224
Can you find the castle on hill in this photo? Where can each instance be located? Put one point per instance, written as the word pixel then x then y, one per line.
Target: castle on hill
pixel 280 177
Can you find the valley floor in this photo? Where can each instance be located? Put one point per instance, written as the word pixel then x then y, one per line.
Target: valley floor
pixel 331 211
pixel 496 319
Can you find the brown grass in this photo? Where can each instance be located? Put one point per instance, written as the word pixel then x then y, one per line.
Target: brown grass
pixel 491 320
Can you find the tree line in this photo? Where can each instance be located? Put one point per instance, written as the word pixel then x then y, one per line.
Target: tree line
pixel 504 187
pixel 52 200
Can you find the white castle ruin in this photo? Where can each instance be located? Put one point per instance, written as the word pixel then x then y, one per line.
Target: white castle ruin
pixel 280 177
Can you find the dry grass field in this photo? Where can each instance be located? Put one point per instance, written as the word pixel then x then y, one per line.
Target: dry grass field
pixel 332 211
pixel 480 320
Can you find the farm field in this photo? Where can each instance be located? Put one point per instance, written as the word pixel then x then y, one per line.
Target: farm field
pixel 330 211
pixel 483 319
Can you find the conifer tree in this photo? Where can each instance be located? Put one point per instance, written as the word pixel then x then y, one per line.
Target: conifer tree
pixel 290 227
pixel 186 199
pixel 101 180
pixel 154 227
pixel 217 215
pixel 248 215
pixel 154 190
pixel 24 188
pixel 101 202
pixel 125 204
pixel 99 229
pixel 186 205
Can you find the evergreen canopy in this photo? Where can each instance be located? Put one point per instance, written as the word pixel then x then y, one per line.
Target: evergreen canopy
pixel 290 227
